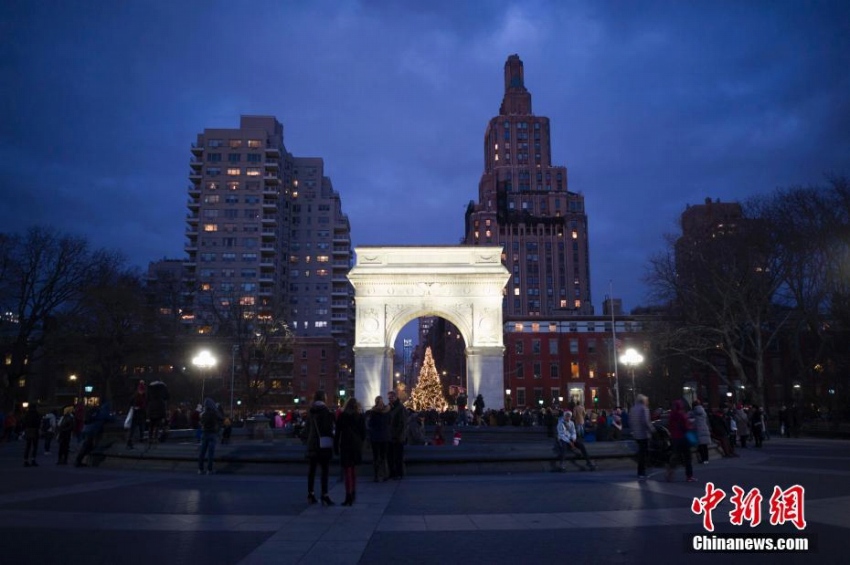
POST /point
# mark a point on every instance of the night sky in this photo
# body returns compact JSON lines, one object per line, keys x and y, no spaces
{"x":653,"y":106}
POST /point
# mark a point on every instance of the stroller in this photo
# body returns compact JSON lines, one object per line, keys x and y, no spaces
{"x":660,"y":445}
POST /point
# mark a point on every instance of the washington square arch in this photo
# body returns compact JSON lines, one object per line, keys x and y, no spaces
{"x":462,"y":284}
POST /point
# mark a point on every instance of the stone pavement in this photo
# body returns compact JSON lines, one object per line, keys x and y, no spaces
{"x":118,"y":515}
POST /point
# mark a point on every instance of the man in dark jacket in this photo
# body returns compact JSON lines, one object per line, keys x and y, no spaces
{"x":31,"y":422}
{"x":398,"y":435}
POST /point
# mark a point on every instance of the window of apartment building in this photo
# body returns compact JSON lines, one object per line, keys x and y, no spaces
{"x":251,"y":213}
{"x":212,"y":185}
{"x":210,"y":227}
{"x":233,"y":185}
{"x":254,"y":144}
{"x":207,"y":257}
{"x":591,"y":345}
{"x":254,"y":158}
{"x":254,"y":171}
{"x":574,"y":369}
{"x":213,"y":157}
{"x":248,"y":273}
{"x":235,"y":143}
{"x":228,"y":242}
{"x":226,"y":287}
{"x":252,"y":186}
{"x":321,"y":324}
{"x":249,"y":287}
{"x":554,"y":371}
{"x":227,"y":273}
{"x":231,"y":213}
{"x":211,"y":213}
{"x":520,"y":397}
{"x":535,"y":346}
{"x":234,"y":171}
{"x":231,"y":199}
{"x":252,"y":200}
{"x":574,"y":346}
{"x":538,"y":396}
{"x":249,"y":257}
{"x":215,"y":142}
{"x":519,"y":348}
{"x":234,"y":157}
{"x":213,"y":171}
{"x":553,"y":347}
{"x":229,"y":257}
{"x":520,"y":370}
{"x":537,"y":373}
{"x":250,"y":242}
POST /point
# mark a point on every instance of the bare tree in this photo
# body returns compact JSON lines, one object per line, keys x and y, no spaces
{"x":42,"y":274}
{"x":719,"y":286}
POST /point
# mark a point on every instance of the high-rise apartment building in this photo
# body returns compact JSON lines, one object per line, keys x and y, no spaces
{"x":238,"y":223}
{"x":525,"y":205}
{"x":267,"y":239}
{"x":321,"y":299}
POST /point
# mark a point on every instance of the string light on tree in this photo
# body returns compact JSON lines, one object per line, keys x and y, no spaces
{"x":428,"y":394}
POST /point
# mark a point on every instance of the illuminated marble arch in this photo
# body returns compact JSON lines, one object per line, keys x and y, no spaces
{"x":394,"y":285}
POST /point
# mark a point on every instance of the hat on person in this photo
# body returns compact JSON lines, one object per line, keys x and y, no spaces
{"x":567,"y":414}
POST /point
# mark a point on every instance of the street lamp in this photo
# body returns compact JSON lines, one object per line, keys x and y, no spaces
{"x":342,"y":396}
{"x":631,"y":359}
{"x":232,"y":375}
{"x":204,"y":360}
{"x":508,"y":394}
{"x":74,"y":379}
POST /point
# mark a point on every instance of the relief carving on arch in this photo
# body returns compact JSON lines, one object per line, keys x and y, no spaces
{"x":369,"y":326}
{"x":487,"y":327}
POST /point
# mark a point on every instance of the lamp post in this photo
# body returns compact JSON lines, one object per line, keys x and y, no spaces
{"x":341,"y":396}
{"x":508,"y":398}
{"x":74,"y":379}
{"x":631,"y":359}
{"x":233,"y":352}
{"x":204,"y":360}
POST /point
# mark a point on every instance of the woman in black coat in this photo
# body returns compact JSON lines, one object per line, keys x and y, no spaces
{"x":319,"y":425}
{"x":348,"y":443}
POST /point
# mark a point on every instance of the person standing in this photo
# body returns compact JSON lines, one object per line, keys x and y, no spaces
{"x":641,"y":432}
{"x":479,"y":409}
{"x":742,"y":425}
{"x":679,"y":425}
{"x":210,"y":422}
{"x":378,"y":427}
{"x":348,"y":443}
{"x":157,"y":411}
{"x":31,"y":423}
{"x":398,"y":435}
{"x":139,"y":404}
{"x":757,"y":423}
{"x":320,"y":433}
{"x":703,"y":431}
{"x":66,"y":429}
{"x":48,"y":430}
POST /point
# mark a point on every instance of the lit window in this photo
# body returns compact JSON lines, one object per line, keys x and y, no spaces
{"x":233,"y":185}
{"x":235,"y":143}
{"x":578,"y":303}
{"x":516,"y":293}
{"x":322,"y":258}
{"x":234,"y":172}
{"x":254,"y":143}
{"x":253,"y":171}
{"x":575,"y":234}
{"x":210,"y":227}
{"x":246,"y":301}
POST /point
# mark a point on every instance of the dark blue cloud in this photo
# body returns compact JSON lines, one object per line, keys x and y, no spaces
{"x":654,"y":105}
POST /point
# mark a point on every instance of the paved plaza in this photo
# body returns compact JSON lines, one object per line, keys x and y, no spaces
{"x":124,"y":514}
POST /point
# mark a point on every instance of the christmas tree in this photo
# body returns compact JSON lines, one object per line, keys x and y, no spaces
{"x":428,"y":394}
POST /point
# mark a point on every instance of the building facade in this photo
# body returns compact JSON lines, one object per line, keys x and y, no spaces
{"x":267,"y":240}
{"x":525,"y":205}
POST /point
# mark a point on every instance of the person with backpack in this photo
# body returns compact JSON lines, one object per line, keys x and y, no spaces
{"x":66,"y":429}
{"x":48,"y":430}
{"x":210,"y":423}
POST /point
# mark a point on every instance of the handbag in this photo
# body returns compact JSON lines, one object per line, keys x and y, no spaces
{"x":325,"y":442}
{"x":128,"y":421}
{"x":691,"y":436}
